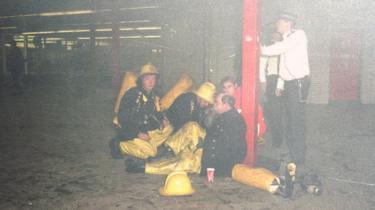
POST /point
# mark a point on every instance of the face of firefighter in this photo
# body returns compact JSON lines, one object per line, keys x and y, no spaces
{"x":149,"y":82}
{"x":219,"y":106}
{"x":283,"y":26}
{"x":202,"y":103}
{"x":229,"y":88}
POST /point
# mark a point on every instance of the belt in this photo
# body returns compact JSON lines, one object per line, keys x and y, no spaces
{"x":293,"y":80}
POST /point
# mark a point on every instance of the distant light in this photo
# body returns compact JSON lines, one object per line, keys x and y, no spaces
{"x":122,"y":37}
{"x":76,"y":12}
{"x":107,"y":23}
{"x":73,"y":31}
{"x":39,"y":32}
{"x":83,"y":38}
{"x":88,"y":30}
{"x":15,"y":16}
{"x":53,"y":39}
{"x":139,"y":8}
{"x":135,"y":21}
{"x":152,"y":37}
{"x":103,"y":29}
{"x":131,"y":37}
{"x":62,"y":13}
{"x":149,"y":28}
{"x":127,"y":29}
{"x":51,"y":42}
{"x":8,"y":27}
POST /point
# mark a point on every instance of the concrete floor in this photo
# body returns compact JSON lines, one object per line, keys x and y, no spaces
{"x":54,"y":155}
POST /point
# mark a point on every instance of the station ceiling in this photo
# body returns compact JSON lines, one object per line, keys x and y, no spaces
{"x":69,"y":18}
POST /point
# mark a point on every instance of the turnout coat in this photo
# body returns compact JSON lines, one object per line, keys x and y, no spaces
{"x":225,"y":143}
{"x":138,"y":113}
{"x":185,"y":109}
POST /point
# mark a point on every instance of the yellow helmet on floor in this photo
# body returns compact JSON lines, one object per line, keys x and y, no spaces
{"x":177,"y":184}
{"x":206,"y":91}
{"x":148,"y":69}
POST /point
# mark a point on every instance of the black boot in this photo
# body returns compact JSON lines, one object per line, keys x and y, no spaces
{"x":163,"y":152}
{"x":286,"y":181}
{"x":311,"y":184}
{"x":114,"y":146}
{"x":134,"y":165}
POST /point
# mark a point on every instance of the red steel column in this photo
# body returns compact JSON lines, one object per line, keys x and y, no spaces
{"x":250,"y":76}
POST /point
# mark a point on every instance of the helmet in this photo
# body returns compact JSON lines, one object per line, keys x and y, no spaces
{"x":177,"y":184}
{"x":206,"y":91}
{"x":148,"y":69}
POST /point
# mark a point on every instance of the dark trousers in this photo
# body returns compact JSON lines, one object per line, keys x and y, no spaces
{"x":273,"y":111}
{"x":295,"y":122}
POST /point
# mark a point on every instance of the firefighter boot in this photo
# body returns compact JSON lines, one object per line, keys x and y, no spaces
{"x":115,"y":149}
{"x":311,"y":184}
{"x":286,"y":181}
{"x":134,"y":165}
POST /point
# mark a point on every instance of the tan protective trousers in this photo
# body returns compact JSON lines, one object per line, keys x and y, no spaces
{"x":146,"y":148}
{"x":184,"y":144}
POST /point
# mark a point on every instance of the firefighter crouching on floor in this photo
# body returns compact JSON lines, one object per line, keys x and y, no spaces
{"x":187,"y":117}
{"x":142,"y":124}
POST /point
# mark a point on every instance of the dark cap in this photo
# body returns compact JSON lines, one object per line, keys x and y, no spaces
{"x":288,"y":16}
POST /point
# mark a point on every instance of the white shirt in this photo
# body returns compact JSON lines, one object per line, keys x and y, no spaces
{"x":294,"y":62}
{"x":268,"y":66}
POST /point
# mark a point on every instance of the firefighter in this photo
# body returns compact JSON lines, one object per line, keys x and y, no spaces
{"x":143,"y":127}
{"x":225,"y":143}
{"x":191,"y":106}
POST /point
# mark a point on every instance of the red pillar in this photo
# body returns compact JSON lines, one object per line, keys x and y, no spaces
{"x":250,"y":76}
{"x":115,"y":51}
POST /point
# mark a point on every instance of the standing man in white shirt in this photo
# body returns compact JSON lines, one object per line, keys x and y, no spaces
{"x":293,"y":83}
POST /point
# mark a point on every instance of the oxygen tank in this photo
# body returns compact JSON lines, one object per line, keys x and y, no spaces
{"x":129,"y":81}
{"x":256,"y":177}
{"x":182,"y":85}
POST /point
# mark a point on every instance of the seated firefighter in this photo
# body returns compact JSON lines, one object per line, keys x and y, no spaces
{"x":191,"y":106}
{"x":142,"y":125}
{"x":225,"y":143}
{"x":181,"y":150}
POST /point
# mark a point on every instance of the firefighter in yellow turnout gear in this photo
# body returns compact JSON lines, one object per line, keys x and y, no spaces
{"x":186,"y":115}
{"x":140,"y":122}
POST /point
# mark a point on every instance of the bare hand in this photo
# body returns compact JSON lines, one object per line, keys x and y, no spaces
{"x":116,"y":122}
{"x":278,"y":92}
{"x":165,"y":122}
{"x":144,"y":136}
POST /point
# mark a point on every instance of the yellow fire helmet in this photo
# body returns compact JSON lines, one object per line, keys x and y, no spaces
{"x":206,"y":91}
{"x":177,"y":184}
{"x":148,"y":69}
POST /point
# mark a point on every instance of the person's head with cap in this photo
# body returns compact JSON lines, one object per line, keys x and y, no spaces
{"x":285,"y":22}
{"x":224,"y":103}
{"x":205,"y":94}
{"x":148,"y":77}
